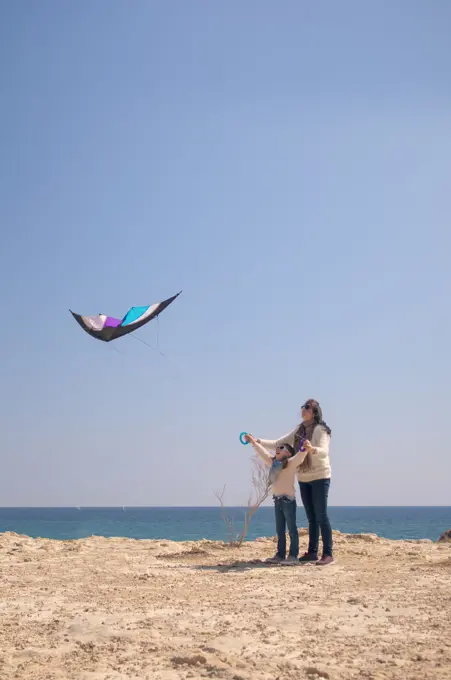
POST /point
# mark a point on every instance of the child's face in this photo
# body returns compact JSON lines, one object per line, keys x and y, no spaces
{"x":282,"y":452}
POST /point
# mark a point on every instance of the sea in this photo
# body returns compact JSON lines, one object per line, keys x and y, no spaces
{"x":192,"y":524}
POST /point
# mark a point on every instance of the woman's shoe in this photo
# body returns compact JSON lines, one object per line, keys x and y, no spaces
{"x":307,"y":558}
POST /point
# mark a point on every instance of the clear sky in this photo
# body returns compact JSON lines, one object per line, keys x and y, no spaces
{"x":288,"y":165}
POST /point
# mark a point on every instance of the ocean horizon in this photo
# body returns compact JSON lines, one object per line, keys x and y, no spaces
{"x":190,"y":523}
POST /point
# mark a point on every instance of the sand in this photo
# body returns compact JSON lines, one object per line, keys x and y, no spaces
{"x":98,"y":609}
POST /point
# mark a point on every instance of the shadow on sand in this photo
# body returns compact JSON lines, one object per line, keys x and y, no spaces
{"x":246,"y":565}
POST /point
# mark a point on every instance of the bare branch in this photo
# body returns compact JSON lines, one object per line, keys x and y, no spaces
{"x":228,"y":521}
{"x":262,"y":487}
{"x":261,"y":490}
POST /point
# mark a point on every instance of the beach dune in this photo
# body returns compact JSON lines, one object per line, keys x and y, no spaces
{"x":122,"y":609}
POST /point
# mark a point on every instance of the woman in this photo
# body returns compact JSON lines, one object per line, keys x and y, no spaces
{"x":313,"y":476}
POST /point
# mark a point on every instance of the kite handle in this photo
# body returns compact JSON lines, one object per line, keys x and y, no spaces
{"x":242,"y":435}
{"x":301,"y":444}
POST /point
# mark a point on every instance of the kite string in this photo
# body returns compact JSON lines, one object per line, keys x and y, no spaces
{"x":155,"y":349}
{"x":115,"y":349}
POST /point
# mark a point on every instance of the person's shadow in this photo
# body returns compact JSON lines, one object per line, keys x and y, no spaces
{"x":244,"y":565}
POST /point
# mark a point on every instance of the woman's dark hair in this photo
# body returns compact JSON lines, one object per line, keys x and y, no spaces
{"x":318,"y":415}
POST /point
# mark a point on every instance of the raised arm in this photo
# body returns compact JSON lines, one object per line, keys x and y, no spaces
{"x":297,"y":459}
{"x":272,"y":444}
{"x":262,"y":453}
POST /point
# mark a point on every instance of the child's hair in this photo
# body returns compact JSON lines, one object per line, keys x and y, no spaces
{"x":290,"y":450}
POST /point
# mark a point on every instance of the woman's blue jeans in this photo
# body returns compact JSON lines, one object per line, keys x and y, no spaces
{"x":314,"y":499}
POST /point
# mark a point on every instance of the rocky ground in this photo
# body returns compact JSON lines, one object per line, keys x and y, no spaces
{"x":121,"y":609}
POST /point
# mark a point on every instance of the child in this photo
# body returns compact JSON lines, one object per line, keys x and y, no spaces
{"x":281,"y":475}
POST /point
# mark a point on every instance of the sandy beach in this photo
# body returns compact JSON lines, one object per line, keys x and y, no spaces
{"x":98,"y":609}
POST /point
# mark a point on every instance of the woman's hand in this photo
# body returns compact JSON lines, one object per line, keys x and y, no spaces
{"x":308,"y":447}
{"x":249,"y":438}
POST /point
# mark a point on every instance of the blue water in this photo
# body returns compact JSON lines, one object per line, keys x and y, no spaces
{"x":183,"y":524}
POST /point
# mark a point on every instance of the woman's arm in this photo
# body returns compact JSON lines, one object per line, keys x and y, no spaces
{"x":272,"y":444}
{"x":320,"y":442}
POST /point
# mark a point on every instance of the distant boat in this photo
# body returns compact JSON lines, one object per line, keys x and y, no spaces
{"x":77,"y":508}
{"x":123,"y":508}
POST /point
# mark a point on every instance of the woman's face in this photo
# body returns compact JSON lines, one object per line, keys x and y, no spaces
{"x":307,"y":411}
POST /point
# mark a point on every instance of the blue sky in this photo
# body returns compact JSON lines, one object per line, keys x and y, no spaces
{"x":288,"y":166}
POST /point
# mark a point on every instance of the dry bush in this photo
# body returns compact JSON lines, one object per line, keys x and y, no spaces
{"x":260,"y":491}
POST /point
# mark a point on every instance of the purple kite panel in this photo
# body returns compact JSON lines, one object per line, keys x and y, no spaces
{"x":110,"y":321}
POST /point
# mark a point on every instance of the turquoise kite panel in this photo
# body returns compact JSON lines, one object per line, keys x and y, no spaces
{"x":133,"y":314}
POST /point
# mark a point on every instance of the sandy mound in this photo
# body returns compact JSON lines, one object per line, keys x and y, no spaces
{"x":98,"y":609}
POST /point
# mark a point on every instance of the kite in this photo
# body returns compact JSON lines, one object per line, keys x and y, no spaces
{"x":107,"y":328}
